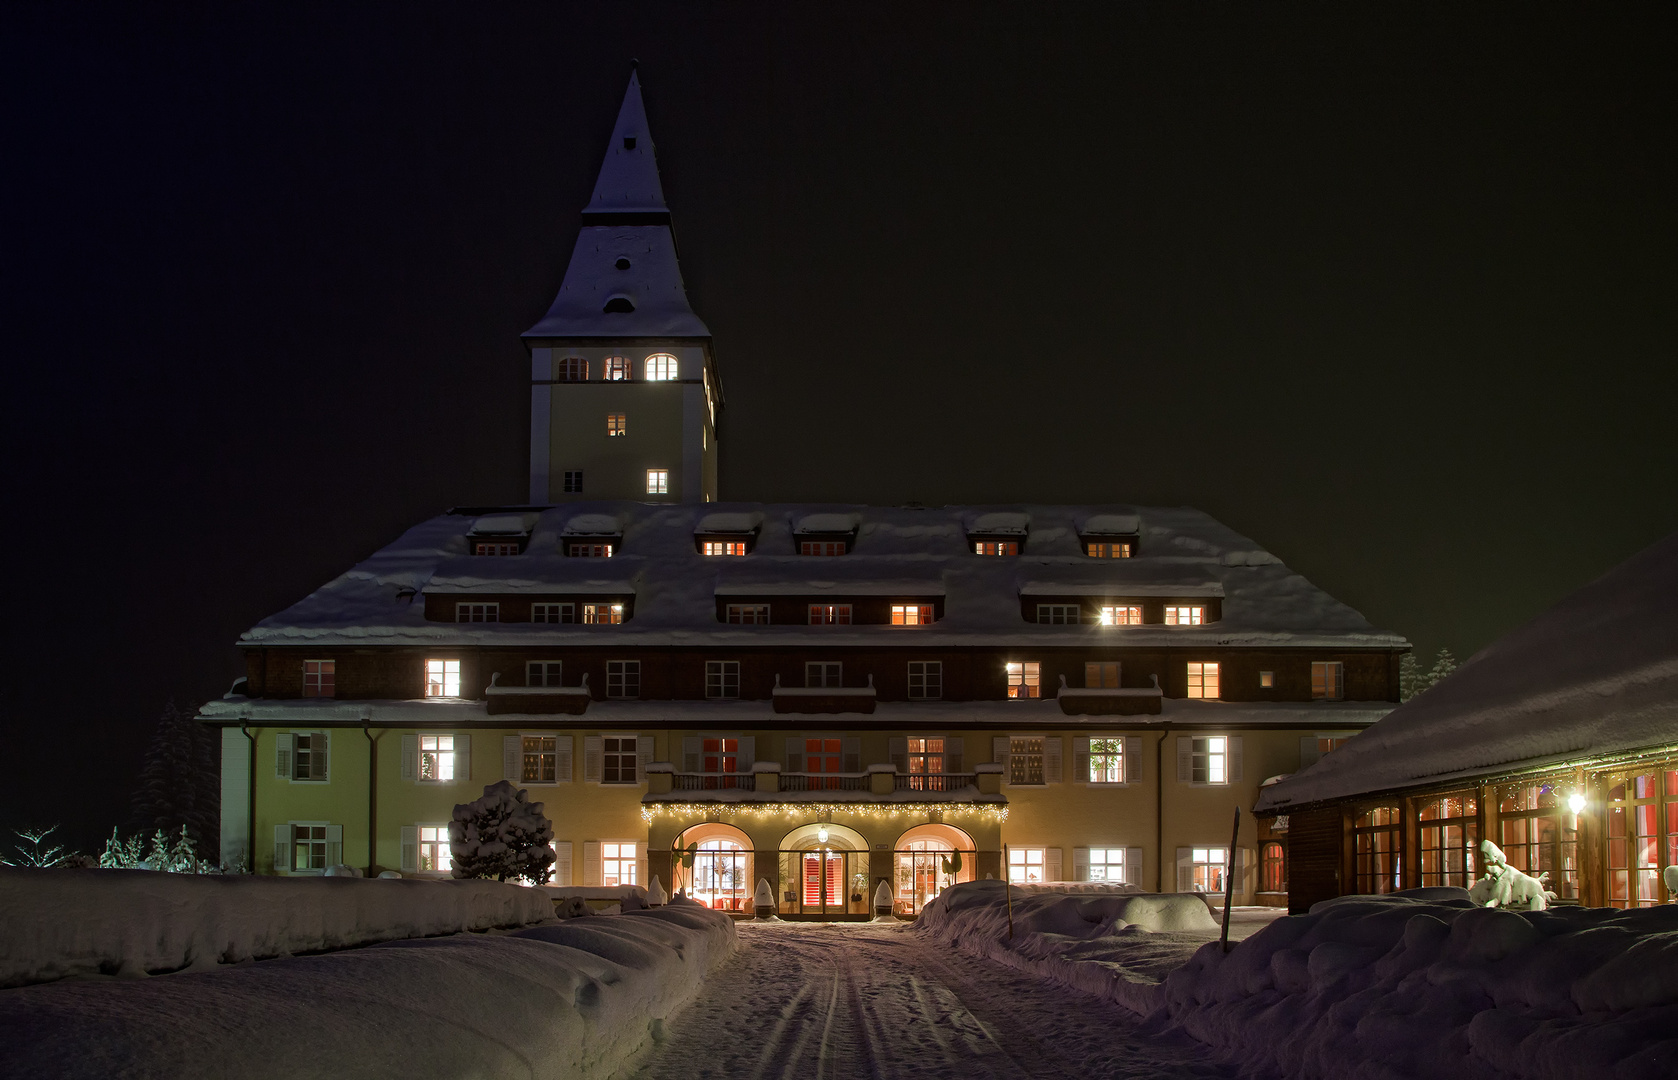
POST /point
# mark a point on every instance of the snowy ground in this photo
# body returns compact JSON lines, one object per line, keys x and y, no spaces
{"x":815,"y":1001}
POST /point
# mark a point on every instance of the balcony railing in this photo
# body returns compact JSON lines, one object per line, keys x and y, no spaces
{"x":712,"y":781}
{"x":933,"y":781}
{"x":796,"y":781}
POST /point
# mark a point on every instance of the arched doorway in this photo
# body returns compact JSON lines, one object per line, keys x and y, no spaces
{"x":824,"y":870}
{"x":919,"y":864}
{"x":721,"y":874}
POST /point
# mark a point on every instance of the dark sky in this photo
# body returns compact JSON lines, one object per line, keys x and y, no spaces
{"x":1389,"y":290}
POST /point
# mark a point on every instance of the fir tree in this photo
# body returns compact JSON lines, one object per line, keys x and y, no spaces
{"x":1410,"y":679}
{"x":180,"y":785}
{"x":501,"y":836}
{"x":1442,"y":666}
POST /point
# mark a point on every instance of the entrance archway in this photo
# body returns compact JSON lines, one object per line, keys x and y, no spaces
{"x":919,"y":861}
{"x":721,"y":875}
{"x":824,"y":870}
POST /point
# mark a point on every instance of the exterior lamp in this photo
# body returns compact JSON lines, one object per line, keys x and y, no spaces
{"x":821,"y":833}
{"x":1576,"y":803}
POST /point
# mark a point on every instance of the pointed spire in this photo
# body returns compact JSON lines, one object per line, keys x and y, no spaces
{"x":628,"y":189}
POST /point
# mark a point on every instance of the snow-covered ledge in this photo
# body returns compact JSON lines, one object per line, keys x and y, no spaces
{"x":823,"y":699}
{"x":536,"y":699}
{"x":1110,"y":701}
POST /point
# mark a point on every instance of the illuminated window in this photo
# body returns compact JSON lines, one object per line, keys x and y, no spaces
{"x":573,"y":482}
{"x":615,"y":369}
{"x":722,"y":679}
{"x":540,"y":757}
{"x":1120,"y":615}
{"x":623,"y":678}
{"x":926,"y":763}
{"x":320,"y":678}
{"x":1449,"y":830}
{"x":748,"y":614}
{"x":617,"y":423}
{"x":543,"y":673}
{"x":821,"y":547}
{"x":926,"y":680}
{"x":911,"y":614}
{"x":822,"y":674}
{"x":602,"y":614}
{"x":1118,"y":549}
{"x":1328,"y":680}
{"x":1376,"y":851}
{"x":436,"y":758}
{"x":1024,"y":680}
{"x":494,"y":548}
{"x":1101,"y":675}
{"x":725,"y":547}
{"x":308,"y":846}
{"x":553,"y":613}
{"x":571,"y":369}
{"x":996,"y":547}
{"x":1207,"y":867}
{"x":1185,"y":615}
{"x":1057,"y":614}
{"x":661,"y":367}
{"x":1208,"y":759}
{"x":617,"y":863}
{"x":1274,"y":868}
{"x":1203,"y":680}
{"x":658,"y":481}
{"x":590,"y":551}
{"x":1538,"y":836}
{"x":1106,"y":864}
{"x":830,"y":614}
{"x":442,"y":678}
{"x":1106,"y":763}
{"x":1025,"y":865}
{"x":1267,"y":680}
{"x":433,"y":855}
{"x":477,"y":613}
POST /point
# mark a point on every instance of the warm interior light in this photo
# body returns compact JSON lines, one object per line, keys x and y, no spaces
{"x":821,"y":835}
{"x":1576,"y":803}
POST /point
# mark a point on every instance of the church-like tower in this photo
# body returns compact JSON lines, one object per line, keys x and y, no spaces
{"x":624,"y":390}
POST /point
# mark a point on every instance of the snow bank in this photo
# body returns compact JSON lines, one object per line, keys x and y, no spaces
{"x":1425,"y":984}
{"x":130,"y":922}
{"x":575,"y":999}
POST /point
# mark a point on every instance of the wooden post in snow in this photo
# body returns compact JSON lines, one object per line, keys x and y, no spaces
{"x":1008,"y":892}
{"x":1229,"y":878}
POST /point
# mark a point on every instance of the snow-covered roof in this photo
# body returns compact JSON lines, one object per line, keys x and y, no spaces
{"x":628,"y":180}
{"x":503,"y":524}
{"x":915,"y":551}
{"x":1593,"y":676}
{"x":729,"y":523}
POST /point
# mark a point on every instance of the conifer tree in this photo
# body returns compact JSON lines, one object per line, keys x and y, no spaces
{"x":1442,"y":666}
{"x":1410,"y":679}
{"x":180,"y":786}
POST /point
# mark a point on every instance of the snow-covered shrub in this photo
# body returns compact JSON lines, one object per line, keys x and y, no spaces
{"x":179,"y":856}
{"x":34,"y":847}
{"x":502,"y":836}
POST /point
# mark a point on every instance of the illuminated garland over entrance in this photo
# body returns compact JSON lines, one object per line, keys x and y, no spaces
{"x":990,"y":811}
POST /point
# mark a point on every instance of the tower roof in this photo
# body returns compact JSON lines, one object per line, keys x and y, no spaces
{"x":623,"y":279}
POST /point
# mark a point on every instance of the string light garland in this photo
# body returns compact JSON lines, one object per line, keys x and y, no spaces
{"x":997,"y":812}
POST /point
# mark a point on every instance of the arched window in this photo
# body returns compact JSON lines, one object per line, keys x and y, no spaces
{"x":719,"y":875}
{"x":661,"y":367}
{"x":615,"y":369}
{"x":572,"y":369}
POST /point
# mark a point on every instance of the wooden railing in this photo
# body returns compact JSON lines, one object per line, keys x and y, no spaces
{"x":933,"y":781}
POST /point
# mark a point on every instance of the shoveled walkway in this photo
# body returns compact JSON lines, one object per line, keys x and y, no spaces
{"x":832,"y":1001}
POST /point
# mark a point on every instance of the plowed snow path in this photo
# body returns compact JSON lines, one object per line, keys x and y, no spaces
{"x":832,"y":1001}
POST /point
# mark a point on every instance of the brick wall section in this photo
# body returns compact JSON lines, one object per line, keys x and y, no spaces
{"x":1315,"y":842}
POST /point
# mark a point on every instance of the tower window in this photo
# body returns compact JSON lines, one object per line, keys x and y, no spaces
{"x":622,"y":263}
{"x":572,"y":369}
{"x":573,"y":482}
{"x":658,"y":481}
{"x":619,"y":305}
{"x":615,"y":369}
{"x":617,"y":423}
{"x":629,"y":142}
{"x":661,"y":367}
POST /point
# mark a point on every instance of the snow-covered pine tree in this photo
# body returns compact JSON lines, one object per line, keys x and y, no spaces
{"x":1442,"y":666}
{"x":502,"y":835}
{"x":180,"y":785}
{"x":1410,"y":681}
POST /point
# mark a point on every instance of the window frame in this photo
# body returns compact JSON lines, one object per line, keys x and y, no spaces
{"x":1209,"y":765}
{"x":632,"y":754}
{"x":1110,"y":549}
{"x":1201,"y":675}
{"x":552,"y":670}
{"x":603,"y":613}
{"x":727,"y":549}
{"x":932,"y":671}
{"x":1059,"y":615}
{"x":722,"y":675}
{"x":1020,"y":759}
{"x":1215,"y":862}
{"x":661,"y":367}
{"x":617,"y":682}
{"x":569,"y":369}
{"x":1373,"y":864}
{"x":298,"y":772}
{"x":443,"y":674}
{"x":540,"y":752}
{"x":1321,"y":672}
{"x":1115,"y":753}
{"x":1118,"y":615}
{"x":1003,"y":548}
{"x":553,"y":613}
{"x":1107,"y":864}
{"x":1185,"y":615}
{"x":477,"y":611}
{"x":658,"y":481}
{"x":615,"y":369}
{"x":823,"y":669}
{"x":1025,"y":863}
{"x":829,"y":614}
{"x":737,"y":614}
{"x":445,"y":758}
{"x":1029,"y":686}
{"x":632,"y":859}
{"x":421,"y":843}
{"x":914,"y":614}
{"x":325,"y":841}
{"x":1099,"y":670}
{"x":323,"y":681}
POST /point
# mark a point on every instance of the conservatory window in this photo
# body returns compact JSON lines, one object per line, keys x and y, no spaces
{"x":434,"y":850}
{"x":830,"y":614}
{"x":1327,"y":681}
{"x":996,"y":547}
{"x":926,"y":680}
{"x":477,"y":613}
{"x":617,"y":863}
{"x":1536,"y":838}
{"x":1376,"y":851}
{"x":602,"y":614}
{"x":1449,"y":829}
{"x":617,"y":424}
{"x":1057,"y":614}
{"x":320,"y":678}
{"x":821,"y":547}
{"x":748,"y":614}
{"x":1184,"y":615}
{"x":623,"y":678}
{"x":661,"y":367}
{"x":1119,"y":615}
{"x":1025,"y":864}
{"x":1203,"y":680}
{"x":442,"y":678}
{"x":1024,"y":679}
{"x":553,"y":613}
{"x":911,"y":614}
{"x":658,"y":481}
{"x":725,"y":547}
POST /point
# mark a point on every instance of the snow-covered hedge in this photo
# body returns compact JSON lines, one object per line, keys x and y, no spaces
{"x":82,"y":922}
{"x":576,"y":999}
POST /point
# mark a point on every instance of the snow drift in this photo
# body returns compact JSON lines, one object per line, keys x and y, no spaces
{"x":131,"y":922}
{"x":564,"y":1000}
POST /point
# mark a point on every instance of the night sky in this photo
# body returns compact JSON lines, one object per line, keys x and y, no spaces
{"x":1389,"y":291}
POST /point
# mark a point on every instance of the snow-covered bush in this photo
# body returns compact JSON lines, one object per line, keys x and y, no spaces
{"x":179,"y":856}
{"x":502,"y":836}
{"x":35,"y":847}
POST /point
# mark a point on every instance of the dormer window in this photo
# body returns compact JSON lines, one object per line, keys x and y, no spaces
{"x":1119,"y":615}
{"x":725,"y":547}
{"x":911,"y":614}
{"x":615,"y":368}
{"x":571,"y":369}
{"x":821,"y":547}
{"x":602,"y":614}
{"x":996,"y":547}
{"x":1110,"y":549}
{"x":495,"y":547}
{"x":477,"y":612}
{"x":589,"y":550}
{"x":661,"y":367}
{"x":830,"y":614}
{"x":1184,"y":615}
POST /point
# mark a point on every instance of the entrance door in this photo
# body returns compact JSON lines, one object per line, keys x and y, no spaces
{"x":824,"y":880}
{"x":920,"y":874}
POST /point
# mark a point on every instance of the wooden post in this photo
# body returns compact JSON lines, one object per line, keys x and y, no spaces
{"x":1229,"y":879}
{"x":1008,"y":892}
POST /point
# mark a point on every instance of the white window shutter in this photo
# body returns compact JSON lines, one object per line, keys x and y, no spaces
{"x":593,"y":759}
{"x":462,"y":759}
{"x":899,"y":747}
{"x":410,"y":848}
{"x":318,"y":766}
{"x":746,"y":755}
{"x":1133,"y":866}
{"x":795,"y":753}
{"x":953,"y":756}
{"x":1133,"y":759}
{"x":1309,"y":755}
{"x":999,"y":754}
{"x":691,"y":746}
{"x":1051,"y":764}
{"x":562,"y":863}
{"x":334,"y":845}
{"x":852,"y":761}
{"x":564,"y":769}
{"x":282,"y":848}
{"x":512,"y":758}
{"x":1185,"y":869}
{"x":591,"y":862}
{"x":1081,"y":763}
{"x":282,"y":756}
{"x":643,"y":757}
{"x":641,"y":863}
{"x":1185,"y":759}
{"x":1051,"y":864}
{"x":1235,"y":759}
{"x":410,"y":757}
{"x":1080,"y":864}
